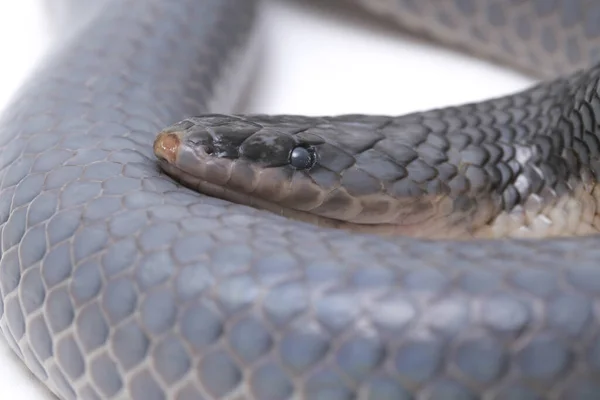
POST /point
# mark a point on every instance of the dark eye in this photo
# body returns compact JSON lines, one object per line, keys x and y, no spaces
{"x":303,"y":157}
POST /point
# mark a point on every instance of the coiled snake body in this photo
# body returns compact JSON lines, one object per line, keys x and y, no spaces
{"x":117,"y":282}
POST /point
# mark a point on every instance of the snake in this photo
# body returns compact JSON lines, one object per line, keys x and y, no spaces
{"x":156,"y":244}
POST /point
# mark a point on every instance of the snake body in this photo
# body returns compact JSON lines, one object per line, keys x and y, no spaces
{"x":117,"y":282}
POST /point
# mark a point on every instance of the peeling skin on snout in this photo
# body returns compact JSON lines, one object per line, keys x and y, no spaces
{"x":166,"y":146}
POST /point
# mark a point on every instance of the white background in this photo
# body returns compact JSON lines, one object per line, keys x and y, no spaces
{"x":316,"y":62}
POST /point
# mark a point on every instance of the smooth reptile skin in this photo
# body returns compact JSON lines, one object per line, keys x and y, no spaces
{"x":118,"y":283}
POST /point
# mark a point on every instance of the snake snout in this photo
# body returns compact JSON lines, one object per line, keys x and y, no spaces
{"x":166,"y":146}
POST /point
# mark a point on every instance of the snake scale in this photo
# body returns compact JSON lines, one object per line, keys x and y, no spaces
{"x":119,"y":282}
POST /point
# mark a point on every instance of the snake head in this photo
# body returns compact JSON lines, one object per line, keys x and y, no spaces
{"x":245,"y":158}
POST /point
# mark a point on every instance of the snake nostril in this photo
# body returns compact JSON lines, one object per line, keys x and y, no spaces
{"x":208,"y":149}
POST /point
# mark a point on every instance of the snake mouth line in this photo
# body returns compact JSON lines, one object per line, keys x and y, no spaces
{"x":224,"y":193}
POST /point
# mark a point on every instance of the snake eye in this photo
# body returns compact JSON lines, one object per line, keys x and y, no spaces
{"x":303,"y":157}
